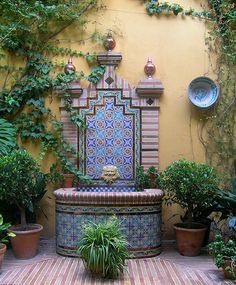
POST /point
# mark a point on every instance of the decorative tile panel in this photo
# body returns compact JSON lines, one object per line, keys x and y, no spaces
{"x":112,"y":136}
{"x":138,"y":212}
{"x":140,"y":225}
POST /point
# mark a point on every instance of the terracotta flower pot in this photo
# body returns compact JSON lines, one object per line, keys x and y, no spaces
{"x":189,"y":239}
{"x":3,"y":249}
{"x":227,"y":274}
{"x":96,"y":271}
{"x":25,"y":243}
{"x":68,"y":180}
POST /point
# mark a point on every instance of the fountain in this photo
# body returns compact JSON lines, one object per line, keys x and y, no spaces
{"x":121,"y":134}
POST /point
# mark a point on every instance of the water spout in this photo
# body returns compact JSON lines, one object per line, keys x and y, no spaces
{"x":110,"y":173}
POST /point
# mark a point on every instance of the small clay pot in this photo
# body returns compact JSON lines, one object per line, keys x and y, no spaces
{"x":227,"y":274}
{"x":68,"y":180}
{"x":189,"y":238}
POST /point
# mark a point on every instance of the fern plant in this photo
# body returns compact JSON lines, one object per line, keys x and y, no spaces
{"x":104,"y":248}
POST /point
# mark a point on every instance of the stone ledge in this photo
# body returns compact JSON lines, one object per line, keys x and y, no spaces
{"x":74,"y":89}
{"x":109,"y":58}
{"x":149,"y":87}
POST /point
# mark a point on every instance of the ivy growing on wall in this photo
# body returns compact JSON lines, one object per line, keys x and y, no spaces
{"x":219,"y":123}
{"x":29,"y":72}
{"x":28,"y":30}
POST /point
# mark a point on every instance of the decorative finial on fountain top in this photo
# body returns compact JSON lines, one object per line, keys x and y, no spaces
{"x":109,"y":42}
{"x":110,"y":173}
{"x":69,"y":66}
{"x":149,"y":68}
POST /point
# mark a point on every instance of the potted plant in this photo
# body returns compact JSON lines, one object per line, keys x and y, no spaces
{"x":152,"y":174}
{"x":104,"y":248}
{"x":224,"y":254}
{"x":68,"y":180}
{"x":22,"y":184}
{"x":191,"y":185}
{"x":72,"y":176}
{"x":146,"y":180}
{"x":4,"y":238}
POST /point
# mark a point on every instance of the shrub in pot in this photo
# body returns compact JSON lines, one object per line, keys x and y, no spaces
{"x":191,"y":185}
{"x":4,"y":236}
{"x":146,"y":180}
{"x":22,"y":184}
{"x":104,"y":248}
{"x":225,"y":203}
{"x":224,"y":254}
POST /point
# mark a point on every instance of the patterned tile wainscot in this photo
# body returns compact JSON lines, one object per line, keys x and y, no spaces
{"x":138,"y":212}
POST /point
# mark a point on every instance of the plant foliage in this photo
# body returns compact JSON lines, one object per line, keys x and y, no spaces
{"x":4,"y":235}
{"x":146,"y":180}
{"x":219,"y":123}
{"x":104,"y":248}
{"x":189,"y":184}
{"x":28,"y":37}
{"x":21,"y":182}
{"x":222,"y":252}
{"x":7,"y":137}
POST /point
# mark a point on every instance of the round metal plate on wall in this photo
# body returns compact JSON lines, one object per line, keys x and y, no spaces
{"x":203,"y":92}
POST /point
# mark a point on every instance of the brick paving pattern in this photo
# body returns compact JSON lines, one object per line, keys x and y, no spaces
{"x":48,"y":268}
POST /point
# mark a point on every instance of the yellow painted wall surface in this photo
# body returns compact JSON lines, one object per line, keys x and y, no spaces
{"x":177,"y":47}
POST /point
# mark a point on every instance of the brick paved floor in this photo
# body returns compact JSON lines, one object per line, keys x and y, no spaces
{"x":169,"y":268}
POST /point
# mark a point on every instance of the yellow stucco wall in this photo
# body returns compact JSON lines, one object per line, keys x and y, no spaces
{"x":177,"y":47}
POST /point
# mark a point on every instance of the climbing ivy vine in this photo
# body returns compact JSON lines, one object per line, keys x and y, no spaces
{"x":219,"y":122}
{"x":29,"y":69}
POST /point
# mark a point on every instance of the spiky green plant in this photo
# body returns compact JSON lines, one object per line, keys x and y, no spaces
{"x":104,"y":248}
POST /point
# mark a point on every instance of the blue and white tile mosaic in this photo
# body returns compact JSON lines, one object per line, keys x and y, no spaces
{"x":99,"y":188}
{"x":140,"y":224}
{"x":112,"y":136}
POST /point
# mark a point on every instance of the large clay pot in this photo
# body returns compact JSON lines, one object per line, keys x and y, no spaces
{"x":189,"y":238}
{"x":3,"y":249}
{"x":25,"y":243}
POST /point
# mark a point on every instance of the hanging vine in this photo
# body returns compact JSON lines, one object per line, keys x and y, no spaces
{"x":27,"y":40}
{"x":219,"y":123}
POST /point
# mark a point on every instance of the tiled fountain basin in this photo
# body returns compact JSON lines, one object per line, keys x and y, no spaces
{"x":139,"y":213}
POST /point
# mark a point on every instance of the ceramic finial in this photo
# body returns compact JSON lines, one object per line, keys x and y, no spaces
{"x":69,"y":66}
{"x":149,"y":68}
{"x":109,"y":42}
